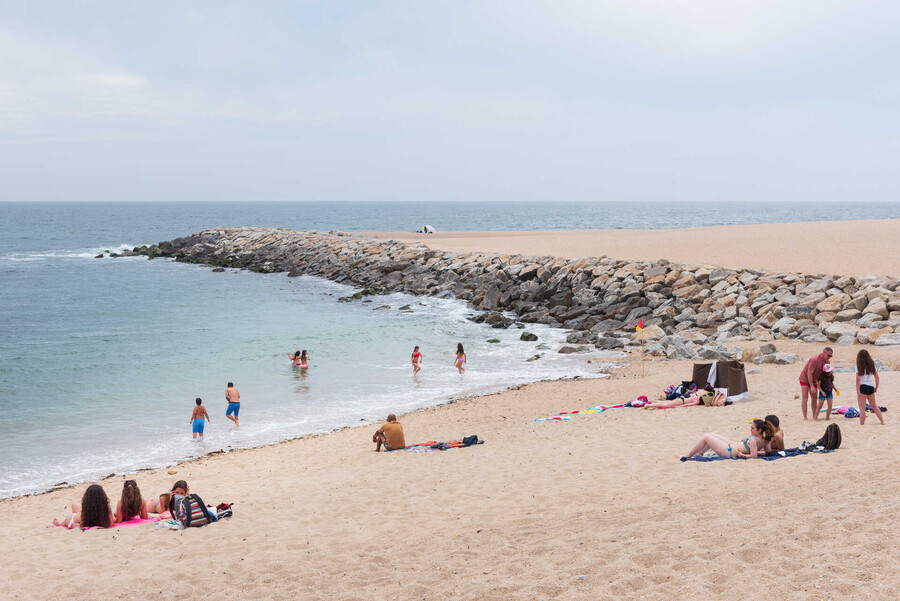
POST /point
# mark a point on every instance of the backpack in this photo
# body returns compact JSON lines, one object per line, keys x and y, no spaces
{"x":832,"y":438}
{"x":191,"y":511}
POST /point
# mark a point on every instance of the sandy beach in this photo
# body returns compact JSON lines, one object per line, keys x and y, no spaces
{"x":833,"y":247}
{"x":598,"y":507}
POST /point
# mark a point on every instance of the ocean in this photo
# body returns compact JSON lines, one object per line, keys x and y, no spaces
{"x":100,"y":360}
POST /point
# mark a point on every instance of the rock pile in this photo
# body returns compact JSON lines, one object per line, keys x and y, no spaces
{"x":688,"y":310}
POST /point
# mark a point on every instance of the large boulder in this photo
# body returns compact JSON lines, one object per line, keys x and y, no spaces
{"x":833,"y":303}
{"x":888,"y":340}
{"x":877,"y":307}
{"x":649,"y":333}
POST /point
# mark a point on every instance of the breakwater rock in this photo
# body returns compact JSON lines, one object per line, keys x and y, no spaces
{"x":687,"y":310}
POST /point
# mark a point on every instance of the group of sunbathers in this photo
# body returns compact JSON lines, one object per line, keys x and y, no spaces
{"x":765,"y":437}
{"x":95,"y":509}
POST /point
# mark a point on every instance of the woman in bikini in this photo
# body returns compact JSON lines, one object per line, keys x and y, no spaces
{"x":707,"y":397}
{"x":417,"y":360}
{"x":755,"y":445}
{"x":131,"y":504}
{"x":460,"y":358}
{"x":160,"y":505}
{"x":300,"y":359}
{"x":94,"y":510}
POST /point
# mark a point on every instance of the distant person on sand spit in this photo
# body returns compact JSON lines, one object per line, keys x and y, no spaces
{"x":93,"y":510}
{"x":131,"y":504}
{"x":300,"y":359}
{"x":460,"y":362}
{"x":390,"y":434}
{"x":866,"y":386}
{"x":755,"y":445}
{"x":233,"y":396}
{"x":199,"y":417}
{"x":809,"y":379}
{"x":417,"y":360}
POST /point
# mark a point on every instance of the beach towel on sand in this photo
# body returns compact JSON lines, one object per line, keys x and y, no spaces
{"x":135,"y":521}
{"x":433,"y":445}
{"x":795,"y":452}
{"x":566,"y":415}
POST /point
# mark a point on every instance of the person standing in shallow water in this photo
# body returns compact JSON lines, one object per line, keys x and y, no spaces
{"x":233,"y":396}
{"x":460,"y":362}
{"x":417,"y":360}
{"x":199,"y":417}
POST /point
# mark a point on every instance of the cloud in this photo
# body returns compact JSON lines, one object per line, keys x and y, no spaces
{"x":115,"y":80}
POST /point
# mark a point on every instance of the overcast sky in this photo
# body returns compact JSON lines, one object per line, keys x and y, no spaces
{"x":427,"y":100}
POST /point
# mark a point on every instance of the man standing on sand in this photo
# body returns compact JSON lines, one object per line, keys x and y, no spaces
{"x":390,"y":435}
{"x":809,"y":379}
{"x":234,"y":404}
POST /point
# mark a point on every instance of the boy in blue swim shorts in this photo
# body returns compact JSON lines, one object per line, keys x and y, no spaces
{"x":199,"y":418}
{"x":234,"y":404}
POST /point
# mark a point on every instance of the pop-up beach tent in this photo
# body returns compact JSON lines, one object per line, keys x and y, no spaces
{"x":724,"y":376}
{"x":427,"y":229}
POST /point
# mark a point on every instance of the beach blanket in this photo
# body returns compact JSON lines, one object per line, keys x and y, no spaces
{"x":135,"y":521}
{"x":795,"y":452}
{"x":433,"y":445}
{"x":567,"y":415}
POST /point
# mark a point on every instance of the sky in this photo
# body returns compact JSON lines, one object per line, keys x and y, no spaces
{"x":631,"y":100}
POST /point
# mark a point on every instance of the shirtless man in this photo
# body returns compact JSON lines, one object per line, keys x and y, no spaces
{"x":234,"y":404}
{"x":199,"y":417}
{"x":809,"y":379}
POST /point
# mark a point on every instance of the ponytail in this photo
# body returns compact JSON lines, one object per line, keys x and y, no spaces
{"x":767,"y":429}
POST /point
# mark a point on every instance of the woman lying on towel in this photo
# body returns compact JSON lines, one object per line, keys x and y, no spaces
{"x":94,"y":510}
{"x":708,"y":397}
{"x":755,"y":445}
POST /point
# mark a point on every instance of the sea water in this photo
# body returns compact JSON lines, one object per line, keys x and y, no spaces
{"x":101,"y":359}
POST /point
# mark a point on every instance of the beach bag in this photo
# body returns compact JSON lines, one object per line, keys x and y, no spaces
{"x":852,"y":412}
{"x":832,"y":438}
{"x":470,"y":440}
{"x":191,"y":511}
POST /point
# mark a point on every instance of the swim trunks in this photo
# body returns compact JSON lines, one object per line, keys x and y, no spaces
{"x":233,"y":408}
{"x":199,"y":423}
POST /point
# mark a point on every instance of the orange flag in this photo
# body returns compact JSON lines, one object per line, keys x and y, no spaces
{"x":640,"y":326}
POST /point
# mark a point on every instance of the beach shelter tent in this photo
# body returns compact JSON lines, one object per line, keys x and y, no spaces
{"x":725,"y":376}
{"x":428,"y":229}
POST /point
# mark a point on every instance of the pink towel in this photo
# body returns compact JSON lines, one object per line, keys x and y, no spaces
{"x":135,"y":521}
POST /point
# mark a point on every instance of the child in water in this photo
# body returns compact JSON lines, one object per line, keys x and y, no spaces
{"x":460,"y":358}
{"x":199,"y":417}
{"x":417,"y":360}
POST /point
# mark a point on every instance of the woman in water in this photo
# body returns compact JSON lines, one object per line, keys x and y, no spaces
{"x":93,"y":510}
{"x":300,"y":359}
{"x":460,"y":358}
{"x":131,"y":504}
{"x":755,"y":445}
{"x":417,"y":360}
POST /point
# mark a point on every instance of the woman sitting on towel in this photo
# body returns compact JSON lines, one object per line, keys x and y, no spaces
{"x":707,"y":397}
{"x":131,"y":504}
{"x":755,"y":445}
{"x":94,"y":510}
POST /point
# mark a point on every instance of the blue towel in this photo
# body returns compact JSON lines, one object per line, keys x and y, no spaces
{"x":775,"y":455}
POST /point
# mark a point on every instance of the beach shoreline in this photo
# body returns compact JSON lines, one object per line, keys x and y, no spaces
{"x":592,"y":508}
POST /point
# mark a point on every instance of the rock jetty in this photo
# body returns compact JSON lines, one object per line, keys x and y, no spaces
{"x":688,"y":310}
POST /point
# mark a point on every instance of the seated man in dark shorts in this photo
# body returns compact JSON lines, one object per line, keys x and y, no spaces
{"x":390,"y":435}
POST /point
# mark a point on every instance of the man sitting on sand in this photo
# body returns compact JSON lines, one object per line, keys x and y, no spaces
{"x":390,"y":435}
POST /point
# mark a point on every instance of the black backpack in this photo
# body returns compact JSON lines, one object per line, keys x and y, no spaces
{"x":832,"y":438}
{"x":191,"y":511}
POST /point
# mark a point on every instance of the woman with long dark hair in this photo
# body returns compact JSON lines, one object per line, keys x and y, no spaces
{"x":755,"y":445}
{"x":866,"y":386}
{"x":94,"y":510}
{"x":131,"y":504}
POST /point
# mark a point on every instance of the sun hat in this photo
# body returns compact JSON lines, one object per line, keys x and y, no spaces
{"x":827,"y":368}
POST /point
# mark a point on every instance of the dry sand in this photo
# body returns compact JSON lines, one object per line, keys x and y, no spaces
{"x":834,"y":247}
{"x":598,"y":507}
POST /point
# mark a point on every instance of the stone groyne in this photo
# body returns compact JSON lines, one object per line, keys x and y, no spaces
{"x":687,"y":310}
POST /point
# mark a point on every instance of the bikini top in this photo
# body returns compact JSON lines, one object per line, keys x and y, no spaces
{"x":748,"y":438}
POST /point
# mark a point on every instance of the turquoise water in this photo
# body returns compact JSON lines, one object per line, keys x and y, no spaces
{"x":100,"y":360}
